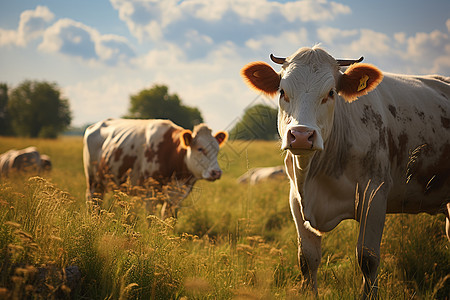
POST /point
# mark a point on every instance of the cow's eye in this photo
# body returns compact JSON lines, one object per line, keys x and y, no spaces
{"x":283,"y":95}
{"x":201,"y":150}
{"x":331,"y":94}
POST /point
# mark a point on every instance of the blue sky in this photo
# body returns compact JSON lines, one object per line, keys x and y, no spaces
{"x":101,"y":52}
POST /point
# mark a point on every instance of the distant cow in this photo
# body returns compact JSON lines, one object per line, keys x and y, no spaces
{"x":134,"y":151}
{"x":26,"y":160}
{"x":256,"y":175}
{"x":392,"y":146}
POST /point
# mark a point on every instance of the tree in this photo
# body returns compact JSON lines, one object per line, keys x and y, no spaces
{"x":156,"y":103}
{"x":258,"y":123}
{"x":38,"y":110}
{"x":5,"y":120}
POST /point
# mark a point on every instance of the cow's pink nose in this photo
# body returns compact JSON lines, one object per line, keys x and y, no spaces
{"x":302,"y":138}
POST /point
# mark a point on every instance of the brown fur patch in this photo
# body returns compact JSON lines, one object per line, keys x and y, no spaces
{"x":127,"y":163}
{"x":349,"y":85}
{"x":393,"y":110}
{"x":445,"y":122}
{"x":149,"y":153}
{"x":397,"y":151}
{"x":261,"y":77}
{"x":170,"y":156}
{"x":117,"y":154}
{"x":370,"y":115}
{"x":435,"y":176}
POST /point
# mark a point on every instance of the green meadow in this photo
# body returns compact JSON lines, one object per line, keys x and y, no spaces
{"x":230,"y":240}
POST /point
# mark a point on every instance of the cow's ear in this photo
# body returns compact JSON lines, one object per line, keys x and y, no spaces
{"x":358,"y":80}
{"x":261,"y":77}
{"x":221,"y":137}
{"x":186,"y":138}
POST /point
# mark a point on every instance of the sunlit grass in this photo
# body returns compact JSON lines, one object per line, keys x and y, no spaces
{"x":229,"y":241}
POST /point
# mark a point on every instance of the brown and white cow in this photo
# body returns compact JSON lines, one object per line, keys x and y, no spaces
{"x":392,"y":146}
{"x":121,"y":150}
{"x":26,"y":160}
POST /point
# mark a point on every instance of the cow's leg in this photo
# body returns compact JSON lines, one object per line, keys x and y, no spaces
{"x":309,"y":244}
{"x":372,"y":218}
{"x":94,"y":191}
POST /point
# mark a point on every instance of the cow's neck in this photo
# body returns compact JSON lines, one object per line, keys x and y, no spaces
{"x":333,"y":159}
{"x":173,"y":160}
{"x":301,"y":167}
{"x":181,"y":171}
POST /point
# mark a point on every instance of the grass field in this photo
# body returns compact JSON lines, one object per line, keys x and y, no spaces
{"x":230,"y":241}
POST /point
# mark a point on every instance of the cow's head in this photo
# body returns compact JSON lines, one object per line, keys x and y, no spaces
{"x":202,"y":150}
{"x":309,"y":83}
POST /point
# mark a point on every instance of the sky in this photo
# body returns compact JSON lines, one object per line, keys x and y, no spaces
{"x":101,"y":52}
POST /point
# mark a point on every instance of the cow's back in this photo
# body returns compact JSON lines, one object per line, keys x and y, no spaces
{"x":400,"y":135}
{"x":417,"y":140}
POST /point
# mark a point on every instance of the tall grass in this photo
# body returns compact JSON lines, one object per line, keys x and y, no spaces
{"x":229,"y":241}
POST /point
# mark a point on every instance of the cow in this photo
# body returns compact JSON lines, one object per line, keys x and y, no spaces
{"x":26,"y":160}
{"x":256,"y":175}
{"x":135,"y":151}
{"x":359,"y":143}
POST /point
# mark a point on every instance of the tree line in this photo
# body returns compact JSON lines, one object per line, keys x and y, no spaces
{"x":38,"y":109}
{"x":33,"y":109}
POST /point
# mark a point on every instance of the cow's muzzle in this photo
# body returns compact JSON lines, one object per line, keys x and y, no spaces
{"x":214,"y":175}
{"x":301,"y":138}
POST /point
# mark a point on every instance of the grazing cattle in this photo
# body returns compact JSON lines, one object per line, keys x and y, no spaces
{"x":134,"y":151}
{"x":392,"y":143}
{"x":19,"y":161}
{"x":256,"y":175}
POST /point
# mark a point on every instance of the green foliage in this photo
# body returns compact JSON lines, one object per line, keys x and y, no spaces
{"x":230,"y":240}
{"x":258,"y":123}
{"x":5,"y":119}
{"x":157,"y":103}
{"x":37,"y":110}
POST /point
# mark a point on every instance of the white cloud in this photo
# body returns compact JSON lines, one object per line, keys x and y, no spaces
{"x":331,"y":35}
{"x":430,"y":49}
{"x":212,"y":84}
{"x":356,"y":43}
{"x":113,"y":49}
{"x":422,"y":53}
{"x":284,"y":44}
{"x":400,"y":37}
{"x":220,"y":20}
{"x":427,"y":44}
{"x":8,"y":37}
{"x":31,"y":26}
{"x":311,"y":10}
{"x":104,"y":97}
{"x":371,"y":42}
{"x":75,"y":39}
{"x":71,"y":38}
